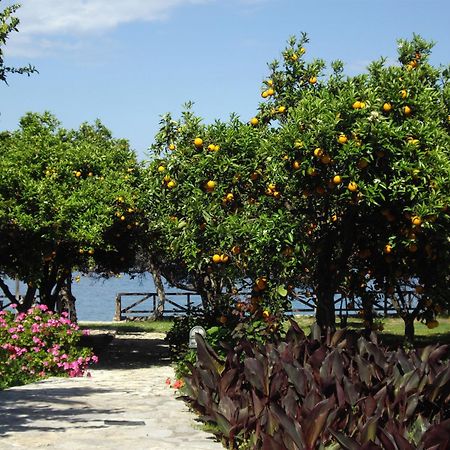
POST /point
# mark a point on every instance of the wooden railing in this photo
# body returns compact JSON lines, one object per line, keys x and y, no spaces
{"x":144,"y":304}
{"x":176,"y":304}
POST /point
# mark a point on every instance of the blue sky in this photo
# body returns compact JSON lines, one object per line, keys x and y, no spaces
{"x":128,"y":62}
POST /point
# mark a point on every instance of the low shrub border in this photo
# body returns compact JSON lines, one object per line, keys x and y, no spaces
{"x":38,"y":344}
{"x":312,"y":393}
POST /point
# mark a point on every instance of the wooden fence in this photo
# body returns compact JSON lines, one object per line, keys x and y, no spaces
{"x":143,"y":304}
{"x":176,"y":304}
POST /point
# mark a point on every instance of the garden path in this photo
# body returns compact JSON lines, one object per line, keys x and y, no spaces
{"x":126,"y":403}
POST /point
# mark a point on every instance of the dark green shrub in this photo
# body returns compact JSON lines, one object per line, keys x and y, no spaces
{"x":312,"y":393}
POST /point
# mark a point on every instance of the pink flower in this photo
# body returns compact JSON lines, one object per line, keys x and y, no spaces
{"x":168,"y":381}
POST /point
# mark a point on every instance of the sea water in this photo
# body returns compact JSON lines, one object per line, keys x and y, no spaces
{"x":95,"y":297}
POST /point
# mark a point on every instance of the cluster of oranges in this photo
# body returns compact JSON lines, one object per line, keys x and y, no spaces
{"x":220,"y":258}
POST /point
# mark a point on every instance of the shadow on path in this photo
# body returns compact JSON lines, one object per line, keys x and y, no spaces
{"x":23,"y":409}
{"x":129,"y":351}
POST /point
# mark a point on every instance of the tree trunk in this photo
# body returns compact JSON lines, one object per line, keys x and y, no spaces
{"x":157,"y":279}
{"x":409,"y":329}
{"x":325,"y":287}
{"x":66,"y":300}
{"x":367,"y":305}
{"x":325,"y":313}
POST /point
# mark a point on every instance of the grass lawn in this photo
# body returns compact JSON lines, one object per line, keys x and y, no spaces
{"x":394,"y":329}
{"x":392,"y":333}
{"x":157,"y":326}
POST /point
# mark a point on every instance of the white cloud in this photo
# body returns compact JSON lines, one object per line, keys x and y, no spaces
{"x":78,"y":17}
{"x":52,"y":26}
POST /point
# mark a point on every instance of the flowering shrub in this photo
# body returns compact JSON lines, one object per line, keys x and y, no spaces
{"x":38,"y":344}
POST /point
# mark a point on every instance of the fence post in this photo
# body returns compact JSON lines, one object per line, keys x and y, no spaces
{"x":118,"y":313}
{"x":189,"y":303}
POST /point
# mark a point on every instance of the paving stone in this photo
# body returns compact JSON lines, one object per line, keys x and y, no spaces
{"x":115,"y":408}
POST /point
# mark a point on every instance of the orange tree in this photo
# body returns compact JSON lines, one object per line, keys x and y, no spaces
{"x":194,"y":193}
{"x":370,"y":156}
{"x":8,"y":24}
{"x":337,"y":183}
{"x":67,"y":201}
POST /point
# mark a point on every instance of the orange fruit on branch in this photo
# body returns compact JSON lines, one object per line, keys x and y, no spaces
{"x":416,"y":220}
{"x":387,"y":249}
{"x":261,"y":283}
{"x":337,"y":179}
{"x":198,"y":142}
{"x":210,"y":185}
{"x":352,"y":186}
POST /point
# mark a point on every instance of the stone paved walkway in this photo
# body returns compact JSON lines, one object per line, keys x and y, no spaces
{"x":124,"y":406}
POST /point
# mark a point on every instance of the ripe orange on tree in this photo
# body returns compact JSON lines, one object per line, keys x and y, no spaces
{"x":210,"y":185}
{"x":216,"y":259}
{"x":387,"y":107}
{"x":235,"y":249}
{"x":352,"y":186}
{"x":416,"y":220}
{"x":342,"y":139}
{"x":254,"y":121}
{"x":318,"y":152}
{"x":198,"y":142}
{"x":261,"y":283}
{"x":337,"y":179}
